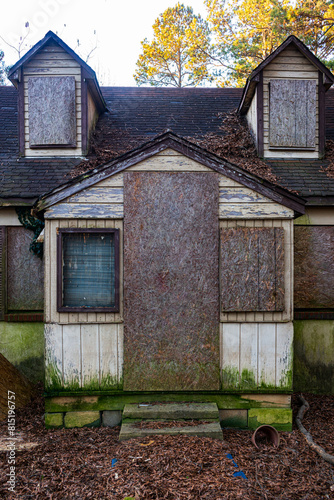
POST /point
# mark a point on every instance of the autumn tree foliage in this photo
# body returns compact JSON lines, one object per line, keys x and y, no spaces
{"x":247,"y":31}
{"x":178,"y":55}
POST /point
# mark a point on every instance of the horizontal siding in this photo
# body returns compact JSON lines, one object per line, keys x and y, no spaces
{"x":50,"y":283}
{"x":252,"y":117}
{"x":53,"y":61}
{"x":259,"y":317}
{"x":84,"y":356}
{"x":290,"y":64}
{"x":256,"y":355}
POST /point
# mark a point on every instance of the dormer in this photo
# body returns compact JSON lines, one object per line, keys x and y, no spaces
{"x":59,"y":100}
{"x":284,"y":103}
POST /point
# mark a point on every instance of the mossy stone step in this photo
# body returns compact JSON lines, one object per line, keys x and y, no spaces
{"x":131,"y":430}
{"x":172,"y":411}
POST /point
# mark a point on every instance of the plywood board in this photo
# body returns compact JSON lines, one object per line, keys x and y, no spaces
{"x":171,"y":296}
{"x":314,"y":265}
{"x":25,"y":272}
{"x":252,"y":269}
{"x":52,"y":119}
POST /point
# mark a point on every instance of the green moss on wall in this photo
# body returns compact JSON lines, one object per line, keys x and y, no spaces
{"x":23,"y":345}
{"x":314,"y":356}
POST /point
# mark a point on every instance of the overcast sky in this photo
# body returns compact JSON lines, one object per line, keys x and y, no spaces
{"x":119,"y":27}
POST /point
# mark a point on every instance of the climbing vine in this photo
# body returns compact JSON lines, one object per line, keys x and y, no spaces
{"x":30,"y":222}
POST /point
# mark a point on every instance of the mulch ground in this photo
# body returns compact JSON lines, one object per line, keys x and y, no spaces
{"x":80,"y":463}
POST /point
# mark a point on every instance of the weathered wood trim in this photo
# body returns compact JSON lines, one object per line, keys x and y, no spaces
{"x":187,"y":149}
{"x":84,"y":114}
{"x":60,"y":307}
{"x":21,"y":117}
{"x":322,"y":115}
{"x":85,"y":211}
{"x":3,"y":272}
{"x":260,"y":147}
{"x":254,"y":210}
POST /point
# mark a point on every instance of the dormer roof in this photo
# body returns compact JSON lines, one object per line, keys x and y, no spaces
{"x":88,"y":73}
{"x":254,"y":78}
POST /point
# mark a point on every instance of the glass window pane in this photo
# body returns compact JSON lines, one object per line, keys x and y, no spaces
{"x":88,"y":270}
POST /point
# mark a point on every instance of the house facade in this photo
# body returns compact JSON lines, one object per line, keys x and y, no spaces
{"x":169,"y":273}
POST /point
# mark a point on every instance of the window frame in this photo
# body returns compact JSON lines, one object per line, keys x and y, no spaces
{"x":60,"y":306}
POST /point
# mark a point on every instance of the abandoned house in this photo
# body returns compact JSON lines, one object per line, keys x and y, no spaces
{"x":162,"y":244}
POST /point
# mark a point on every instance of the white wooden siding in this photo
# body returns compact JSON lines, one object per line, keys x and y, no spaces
{"x":50,"y":283}
{"x":256,"y":352}
{"x":84,"y":354}
{"x":52,"y":60}
{"x":265,"y":317}
{"x":251,"y":117}
{"x":290,"y":64}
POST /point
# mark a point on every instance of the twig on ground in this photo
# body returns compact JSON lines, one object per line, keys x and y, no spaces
{"x":305,"y":406}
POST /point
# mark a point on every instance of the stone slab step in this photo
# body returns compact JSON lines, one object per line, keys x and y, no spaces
{"x":172,"y":411}
{"x":212,"y":430}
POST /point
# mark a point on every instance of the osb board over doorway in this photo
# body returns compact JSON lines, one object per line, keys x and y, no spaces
{"x":171,"y":291}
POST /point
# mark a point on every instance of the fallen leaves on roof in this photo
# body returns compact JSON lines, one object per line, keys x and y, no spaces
{"x":329,"y":169}
{"x":236,"y":145}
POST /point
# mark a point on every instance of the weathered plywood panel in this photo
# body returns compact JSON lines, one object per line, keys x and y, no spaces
{"x":292,"y":113}
{"x":314,"y":267}
{"x":52,"y":119}
{"x":171,"y":297}
{"x":252,"y":269}
{"x":25,"y":272}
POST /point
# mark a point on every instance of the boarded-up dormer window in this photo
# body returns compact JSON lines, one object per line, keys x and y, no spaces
{"x":252,"y":269}
{"x":292,"y":121}
{"x":52,"y":120}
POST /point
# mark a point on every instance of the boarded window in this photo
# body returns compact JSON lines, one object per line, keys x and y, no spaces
{"x":52,"y":120}
{"x":292,"y":114}
{"x":89,"y":269}
{"x":314,"y":265}
{"x":252,"y":269}
{"x":25,"y":274}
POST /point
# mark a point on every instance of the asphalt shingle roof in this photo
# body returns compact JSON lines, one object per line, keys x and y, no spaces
{"x":142,"y":113}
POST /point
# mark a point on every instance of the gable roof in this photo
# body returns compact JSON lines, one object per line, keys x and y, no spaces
{"x":169,"y":140}
{"x":254,"y":78}
{"x":136,"y":115}
{"x":89,"y":73}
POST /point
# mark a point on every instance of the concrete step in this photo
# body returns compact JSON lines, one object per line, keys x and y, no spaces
{"x":206,"y":414}
{"x":213,"y":430}
{"x":172,"y":411}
